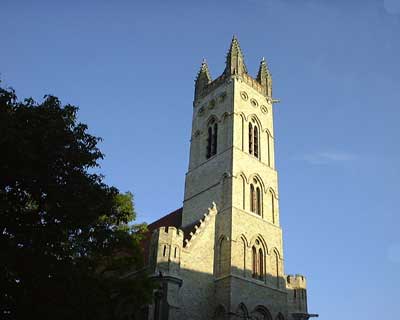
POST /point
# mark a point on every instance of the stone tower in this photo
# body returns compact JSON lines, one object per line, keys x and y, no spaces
{"x":229,"y":262}
{"x":232,"y":144}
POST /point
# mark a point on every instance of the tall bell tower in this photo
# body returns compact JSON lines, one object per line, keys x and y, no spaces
{"x":232,"y":143}
{"x":232,"y":163}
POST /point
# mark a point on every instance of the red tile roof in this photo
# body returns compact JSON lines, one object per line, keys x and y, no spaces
{"x":173,"y":219}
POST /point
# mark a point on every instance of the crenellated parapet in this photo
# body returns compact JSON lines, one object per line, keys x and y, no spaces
{"x":296,"y":281}
{"x":166,"y":247}
{"x":296,"y":286}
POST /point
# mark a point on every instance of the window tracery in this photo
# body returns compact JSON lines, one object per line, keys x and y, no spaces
{"x":258,"y":259}
{"x":254,"y":139}
{"x":255,"y":198}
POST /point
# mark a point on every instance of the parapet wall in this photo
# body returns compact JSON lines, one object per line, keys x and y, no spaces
{"x":296,"y":281}
{"x":169,"y":234}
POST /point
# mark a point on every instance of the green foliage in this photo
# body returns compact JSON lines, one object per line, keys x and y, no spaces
{"x":67,"y":239}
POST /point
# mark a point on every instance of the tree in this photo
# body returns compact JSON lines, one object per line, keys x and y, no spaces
{"x":66,"y":237}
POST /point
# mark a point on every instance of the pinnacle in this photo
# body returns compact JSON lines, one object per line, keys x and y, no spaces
{"x":235,"y":59}
{"x":235,"y":46}
{"x":204,"y":72}
{"x":263,"y":67}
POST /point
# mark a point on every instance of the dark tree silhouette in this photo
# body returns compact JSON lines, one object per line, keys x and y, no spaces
{"x":66,"y":238}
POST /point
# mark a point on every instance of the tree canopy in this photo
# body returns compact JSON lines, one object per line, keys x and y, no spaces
{"x":67,"y":238}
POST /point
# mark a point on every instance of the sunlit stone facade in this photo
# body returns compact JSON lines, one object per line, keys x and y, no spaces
{"x":221,"y":255}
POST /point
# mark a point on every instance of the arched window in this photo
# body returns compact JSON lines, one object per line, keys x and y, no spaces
{"x":242,"y":256}
{"x":255,"y":198}
{"x":220,"y":257}
{"x":165,"y":251}
{"x":253,"y":140}
{"x":212,"y":139}
{"x":250,"y":138}
{"x":261,"y":313}
{"x":209,"y":138}
{"x":223,"y":257}
{"x":252,"y":197}
{"x":258,"y":257}
{"x":276,"y":267}
{"x":256,"y":141}
{"x":258,"y":201}
{"x":268,"y":150}
{"x":254,"y":257}
{"x":243,"y":192}
{"x":272,"y":199}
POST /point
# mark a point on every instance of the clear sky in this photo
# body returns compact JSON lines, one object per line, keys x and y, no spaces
{"x":130,"y":67}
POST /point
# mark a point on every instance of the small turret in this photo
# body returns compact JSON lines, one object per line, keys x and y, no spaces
{"x":234,"y":60}
{"x":202,"y":80}
{"x":296,"y":287}
{"x":264,"y":77}
{"x":165,"y":253}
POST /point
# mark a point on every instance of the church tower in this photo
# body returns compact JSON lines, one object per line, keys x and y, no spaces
{"x":221,"y":255}
{"x":232,"y":143}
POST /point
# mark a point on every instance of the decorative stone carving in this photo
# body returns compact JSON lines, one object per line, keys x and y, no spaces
{"x":244,"y":95}
{"x":254,"y":102}
{"x":264,"y":109}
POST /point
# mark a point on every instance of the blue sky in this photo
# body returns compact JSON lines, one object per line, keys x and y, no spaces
{"x":130,"y":67}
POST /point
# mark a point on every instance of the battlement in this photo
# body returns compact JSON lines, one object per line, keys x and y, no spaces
{"x":297,"y":281}
{"x":169,"y":232}
{"x":165,"y":251}
{"x":255,"y":85}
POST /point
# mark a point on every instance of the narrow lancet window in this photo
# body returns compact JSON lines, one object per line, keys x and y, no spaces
{"x":209,"y":140}
{"x":254,"y":252}
{"x":212,"y":139}
{"x":255,"y":198}
{"x":250,"y":138}
{"x":252,"y":198}
{"x":258,"y":201}
{"x":268,"y":150}
{"x":258,"y":256}
{"x":261,"y":264}
{"x":256,"y":141}
{"x":272,"y":206}
{"x":277,"y":268}
{"x":254,"y":147}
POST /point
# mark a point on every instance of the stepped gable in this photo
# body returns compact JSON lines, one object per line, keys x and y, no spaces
{"x":188,"y":229}
{"x":173,"y":219}
{"x":191,"y":231}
